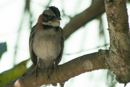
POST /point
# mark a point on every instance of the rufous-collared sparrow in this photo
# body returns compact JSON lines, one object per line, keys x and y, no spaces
{"x":46,"y":40}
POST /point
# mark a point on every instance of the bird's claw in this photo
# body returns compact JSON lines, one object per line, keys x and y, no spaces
{"x":36,"y":71}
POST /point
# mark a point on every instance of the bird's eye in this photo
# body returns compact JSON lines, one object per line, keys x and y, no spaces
{"x":49,"y":15}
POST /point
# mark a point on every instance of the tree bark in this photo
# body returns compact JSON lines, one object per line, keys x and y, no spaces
{"x":119,"y":53}
{"x":62,"y":73}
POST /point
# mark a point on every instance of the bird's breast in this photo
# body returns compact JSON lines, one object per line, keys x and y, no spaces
{"x":47,"y":44}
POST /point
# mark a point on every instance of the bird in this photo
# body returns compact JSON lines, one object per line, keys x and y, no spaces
{"x":46,"y":41}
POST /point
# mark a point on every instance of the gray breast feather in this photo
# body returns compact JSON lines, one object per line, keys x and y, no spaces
{"x":47,"y":44}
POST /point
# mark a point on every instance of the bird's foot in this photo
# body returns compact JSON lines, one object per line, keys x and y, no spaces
{"x":36,"y":71}
{"x":49,"y":71}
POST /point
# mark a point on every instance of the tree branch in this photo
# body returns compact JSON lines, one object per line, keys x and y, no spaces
{"x":63,"y":72}
{"x":81,"y":19}
{"x":119,"y":53}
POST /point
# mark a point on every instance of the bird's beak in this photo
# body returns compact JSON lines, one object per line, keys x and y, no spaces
{"x":57,"y":19}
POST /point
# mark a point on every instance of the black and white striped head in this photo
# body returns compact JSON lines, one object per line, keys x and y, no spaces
{"x":51,"y":16}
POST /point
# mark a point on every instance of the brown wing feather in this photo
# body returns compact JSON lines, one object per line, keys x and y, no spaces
{"x":32,"y":54}
{"x":58,"y":59}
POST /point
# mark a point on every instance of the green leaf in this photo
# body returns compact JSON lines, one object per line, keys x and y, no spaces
{"x":13,"y":73}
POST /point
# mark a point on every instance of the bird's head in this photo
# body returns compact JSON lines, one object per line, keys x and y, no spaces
{"x":51,"y":16}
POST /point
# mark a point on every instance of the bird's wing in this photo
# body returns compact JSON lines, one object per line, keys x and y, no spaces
{"x":32,"y":54}
{"x":58,"y":59}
